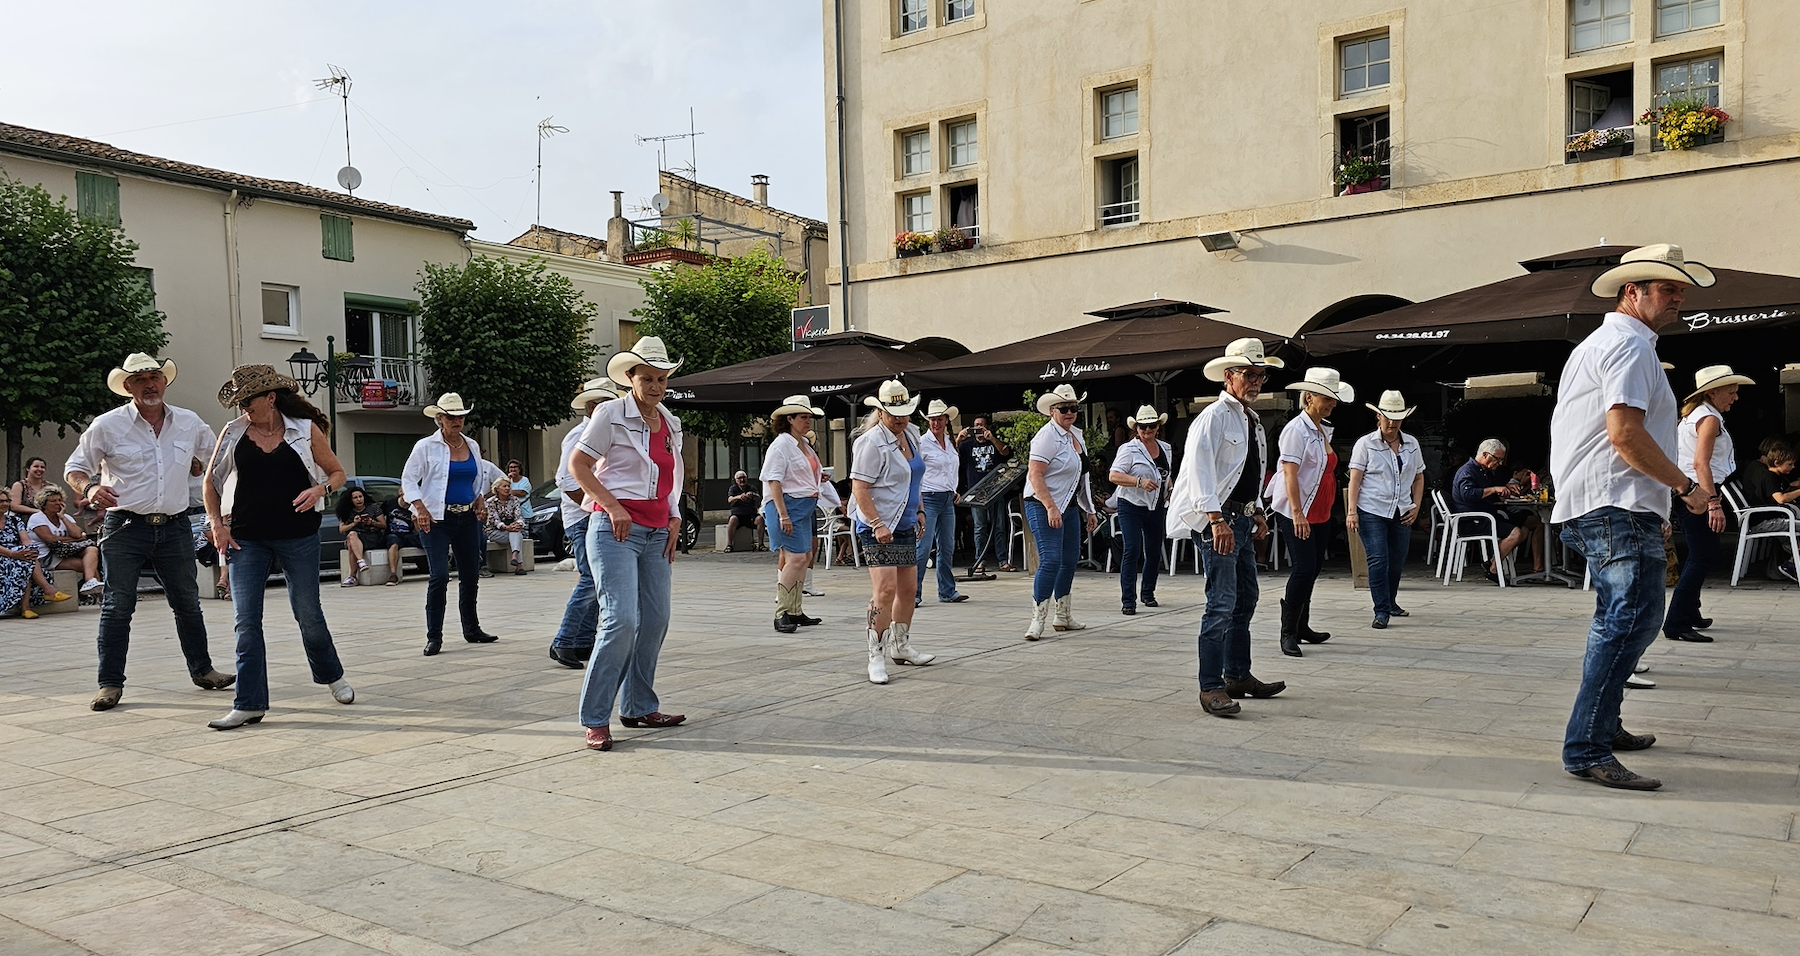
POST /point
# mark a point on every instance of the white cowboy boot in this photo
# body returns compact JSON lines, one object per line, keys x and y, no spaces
{"x":877,"y":657}
{"x":1040,"y":618}
{"x":901,"y":649}
{"x":1064,"y":619}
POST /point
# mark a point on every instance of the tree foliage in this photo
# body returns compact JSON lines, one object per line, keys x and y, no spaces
{"x":513,"y":339}
{"x":725,"y":312}
{"x":72,"y":306}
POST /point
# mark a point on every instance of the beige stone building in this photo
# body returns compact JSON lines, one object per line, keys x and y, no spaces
{"x":1107,"y":151}
{"x":726,"y":224}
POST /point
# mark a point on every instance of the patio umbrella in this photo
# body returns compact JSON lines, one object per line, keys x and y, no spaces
{"x":845,"y":363}
{"x":1553,"y":302}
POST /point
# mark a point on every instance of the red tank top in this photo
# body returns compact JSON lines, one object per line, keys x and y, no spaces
{"x":1321,"y":506}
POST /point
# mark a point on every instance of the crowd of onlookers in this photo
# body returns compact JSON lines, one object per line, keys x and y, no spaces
{"x":42,"y":530}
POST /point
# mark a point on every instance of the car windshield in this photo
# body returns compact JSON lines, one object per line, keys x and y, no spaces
{"x":547,"y":491}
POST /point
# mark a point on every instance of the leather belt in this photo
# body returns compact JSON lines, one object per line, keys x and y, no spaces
{"x":149,"y":518}
{"x":458,"y":509}
{"x":1246,"y":508}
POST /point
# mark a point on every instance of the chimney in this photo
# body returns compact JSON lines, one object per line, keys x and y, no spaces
{"x":759,"y":189}
{"x":618,"y":231}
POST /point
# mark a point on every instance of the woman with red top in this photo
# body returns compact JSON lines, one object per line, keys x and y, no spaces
{"x":628,"y":463}
{"x":1301,"y":495}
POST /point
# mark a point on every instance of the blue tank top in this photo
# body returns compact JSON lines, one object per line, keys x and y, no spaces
{"x":461,"y":489}
{"x":917,"y":467}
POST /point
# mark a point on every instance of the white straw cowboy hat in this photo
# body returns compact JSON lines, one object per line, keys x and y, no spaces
{"x":1649,"y":263}
{"x":894,"y":399}
{"x":1715,"y":376}
{"x":249,"y":381}
{"x":450,"y":404}
{"x":1392,"y":405}
{"x":1146,"y":416}
{"x":1242,"y":353}
{"x":138,"y":362}
{"x":649,"y":350}
{"x":937,"y":407}
{"x":1063,"y":394}
{"x":1325,"y":381}
{"x":594,"y":390}
{"x":797,"y":405}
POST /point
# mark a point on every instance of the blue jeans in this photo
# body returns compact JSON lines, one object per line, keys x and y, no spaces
{"x":1308,"y":557}
{"x":990,"y":532}
{"x":1624,"y":550}
{"x":940,"y":528}
{"x":1143,"y":531}
{"x":635,"y":574}
{"x":128,"y":543}
{"x":1703,"y":555}
{"x":460,"y":533}
{"x":581,"y":616}
{"x":1058,"y":550}
{"x":299,"y":558}
{"x":1231,"y":595}
{"x":1384,"y":541}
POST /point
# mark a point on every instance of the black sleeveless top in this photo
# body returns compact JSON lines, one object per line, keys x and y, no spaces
{"x":267,"y":484}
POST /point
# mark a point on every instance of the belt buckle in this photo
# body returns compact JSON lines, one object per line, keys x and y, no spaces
{"x":157,"y":519}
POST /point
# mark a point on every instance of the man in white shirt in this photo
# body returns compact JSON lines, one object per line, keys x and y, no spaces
{"x":135,"y":462}
{"x":1217,"y":499}
{"x":937,"y":493}
{"x":1612,"y":439}
{"x":574,"y":640}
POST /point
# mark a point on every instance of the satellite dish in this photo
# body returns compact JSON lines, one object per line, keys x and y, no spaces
{"x":349,"y":178}
{"x":660,"y":203}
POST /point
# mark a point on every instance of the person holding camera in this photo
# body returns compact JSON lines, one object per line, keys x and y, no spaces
{"x":981,"y":451}
{"x":364,"y":525}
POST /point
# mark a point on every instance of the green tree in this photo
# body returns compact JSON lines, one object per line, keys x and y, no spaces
{"x":72,"y":306}
{"x":514,"y":339}
{"x":722,"y":313}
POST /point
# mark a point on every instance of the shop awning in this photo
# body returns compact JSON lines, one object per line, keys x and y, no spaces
{"x":845,"y":363}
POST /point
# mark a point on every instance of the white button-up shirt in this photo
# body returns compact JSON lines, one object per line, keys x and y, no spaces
{"x":943,"y":466}
{"x":793,"y":466}
{"x":1134,"y":459}
{"x":1687,"y":440}
{"x":1387,"y":481}
{"x":1060,"y":450}
{"x":876,"y":459}
{"x":565,"y":479}
{"x":1308,"y":447}
{"x":1616,"y":365}
{"x":619,"y":439}
{"x":426,"y":476}
{"x":1212,"y":460}
{"x":148,"y":470}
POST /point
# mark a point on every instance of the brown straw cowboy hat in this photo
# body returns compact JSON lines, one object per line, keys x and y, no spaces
{"x":249,"y":381}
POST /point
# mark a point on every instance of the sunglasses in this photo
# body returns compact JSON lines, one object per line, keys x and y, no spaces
{"x":1253,"y":375}
{"x":1067,"y":409}
{"x":246,"y":403}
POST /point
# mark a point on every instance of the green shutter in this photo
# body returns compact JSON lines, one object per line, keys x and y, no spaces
{"x":97,"y":197}
{"x":335,"y":241}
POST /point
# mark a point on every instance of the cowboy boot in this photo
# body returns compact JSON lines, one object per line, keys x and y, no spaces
{"x":1064,"y":619}
{"x":1290,"y":640}
{"x":799,"y":612}
{"x":877,"y":657}
{"x":1040,"y":618}
{"x":901,"y":649}
{"x":1304,"y":629}
{"x":785,"y":598}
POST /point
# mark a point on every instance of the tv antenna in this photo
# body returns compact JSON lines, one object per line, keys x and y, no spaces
{"x":662,"y":149}
{"x":339,"y":84}
{"x":546,"y":129}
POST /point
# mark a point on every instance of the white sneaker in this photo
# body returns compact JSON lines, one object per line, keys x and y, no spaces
{"x":1635,"y":682}
{"x":92,"y":584}
{"x":342,"y":692}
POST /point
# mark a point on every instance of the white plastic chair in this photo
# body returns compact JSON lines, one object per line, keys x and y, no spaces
{"x":1750,"y":542}
{"x":1434,"y":539}
{"x":1457,"y":541}
{"x":1015,"y":531}
{"x":832,"y":526}
{"x":1175,"y":546}
{"x":1112,"y":531}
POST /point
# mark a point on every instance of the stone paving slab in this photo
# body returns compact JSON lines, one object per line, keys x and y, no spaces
{"x":1013,"y":799}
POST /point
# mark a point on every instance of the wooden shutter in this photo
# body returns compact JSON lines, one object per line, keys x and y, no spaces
{"x":97,"y":197}
{"x":335,"y":239}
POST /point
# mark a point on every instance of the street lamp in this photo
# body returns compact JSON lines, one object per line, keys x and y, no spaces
{"x":304,"y":366}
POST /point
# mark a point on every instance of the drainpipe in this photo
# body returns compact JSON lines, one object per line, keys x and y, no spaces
{"x":231,"y":280}
{"x":842,"y":175}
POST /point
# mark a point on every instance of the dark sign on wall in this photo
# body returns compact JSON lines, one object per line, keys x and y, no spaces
{"x":810,"y":323}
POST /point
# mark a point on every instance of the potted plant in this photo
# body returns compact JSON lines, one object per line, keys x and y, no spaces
{"x":950,"y":239}
{"x":908,"y":244}
{"x":1357,"y":174}
{"x":1684,"y":121}
{"x":1595,"y":139}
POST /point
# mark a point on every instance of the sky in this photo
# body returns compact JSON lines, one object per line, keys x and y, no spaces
{"x":445,"y":96}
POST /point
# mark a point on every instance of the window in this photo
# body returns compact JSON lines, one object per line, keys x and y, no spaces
{"x":965,"y":210}
{"x":1119,"y":113}
{"x":915,"y":153}
{"x":1597,"y":23}
{"x":389,"y":339}
{"x":1676,"y":16}
{"x":335,"y":239}
{"x":97,"y":198}
{"x":916,"y":210}
{"x":1693,"y":78}
{"x":280,"y":310}
{"x":913,"y":16}
{"x":1119,"y":203}
{"x":1601,"y":104}
{"x":963,"y":145}
{"x":1367,"y":136}
{"x":955,"y":10}
{"x":1363,"y":65}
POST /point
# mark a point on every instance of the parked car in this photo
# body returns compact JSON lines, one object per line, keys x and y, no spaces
{"x":545,"y":526}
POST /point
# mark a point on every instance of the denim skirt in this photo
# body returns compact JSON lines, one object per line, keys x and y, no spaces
{"x":800,"y":512}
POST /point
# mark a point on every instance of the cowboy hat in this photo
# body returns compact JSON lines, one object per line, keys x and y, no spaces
{"x":1715,"y":376}
{"x":139,"y":362}
{"x":649,"y":350}
{"x":594,"y":390}
{"x":1145,"y":415}
{"x":1648,"y":263}
{"x":894,"y":399}
{"x":450,"y":404}
{"x":1240,"y":354}
{"x":249,"y":381}
{"x":1063,"y":394}
{"x":1392,"y":405}
{"x":1325,"y":381}
{"x":797,"y":405}
{"x":937,"y":407}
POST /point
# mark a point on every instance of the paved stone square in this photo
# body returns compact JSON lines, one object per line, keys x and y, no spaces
{"x":1404,"y":795}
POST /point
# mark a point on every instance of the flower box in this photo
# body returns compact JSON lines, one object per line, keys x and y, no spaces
{"x":1369,"y":186}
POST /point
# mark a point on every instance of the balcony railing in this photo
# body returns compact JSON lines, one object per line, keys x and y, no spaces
{"x":405,"y":378}
{"x":1119,"y":213}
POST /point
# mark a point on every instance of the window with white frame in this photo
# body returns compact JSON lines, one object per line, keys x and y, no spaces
{"x":280,"y":310}
{"x":964,"y":148}
{"x":1598,"y":23}
{"x":1689,"y":78}
{"x":955,"y":10}
{"x":1363,"y":64}
{"x":1676,"y":16}
{"x":915,"y":153}
{"x":914,"y":16}
{"x":1119,"y":191}
{"x":1119,"y":113}
{"x":916,"y":211}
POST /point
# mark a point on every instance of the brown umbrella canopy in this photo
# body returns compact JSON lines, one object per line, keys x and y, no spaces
{"x":845,"y":363}
{"x":1553,"y":302}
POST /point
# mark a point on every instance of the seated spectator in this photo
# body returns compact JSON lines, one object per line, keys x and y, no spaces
{"x":744,"y":497}
{"x":364,"y":526}
{"x":63,"y":545}
{"x":1769,"y":482}
{"x":521,"y":486}
{"x":505,"y":522}
{"x":400,"y":522}
{"x":1481,"y":484}
{"x":28,"y":487}
{"x":23,"y":583}
{"x":206,"y":553}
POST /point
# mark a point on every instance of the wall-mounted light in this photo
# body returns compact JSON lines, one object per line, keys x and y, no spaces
{"x":1219,"y":241}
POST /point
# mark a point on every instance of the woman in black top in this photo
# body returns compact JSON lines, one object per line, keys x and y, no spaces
{"x":265,"y":488}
